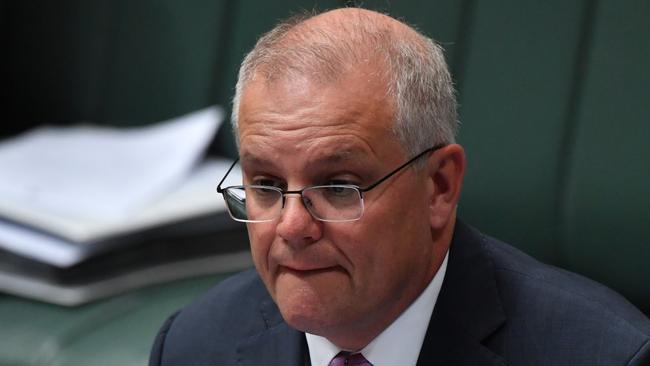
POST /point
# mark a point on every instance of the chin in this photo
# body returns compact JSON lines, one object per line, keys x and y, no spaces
{"x":311,"y":302}
{"x":329,"y":322}
{"x":305,"y":317}
{"x":303,"y":308}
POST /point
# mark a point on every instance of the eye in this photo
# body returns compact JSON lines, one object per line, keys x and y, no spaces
{"x":267,"y":182}
{"x":339,"y":191}
{"x":339,"y":188}
{"x":341,"y":182}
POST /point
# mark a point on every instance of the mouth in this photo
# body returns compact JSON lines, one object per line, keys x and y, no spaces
{"x":304,"y":272}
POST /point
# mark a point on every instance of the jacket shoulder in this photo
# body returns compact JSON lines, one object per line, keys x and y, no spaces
{"x":548,"y":308}
{"x":209,"y":329}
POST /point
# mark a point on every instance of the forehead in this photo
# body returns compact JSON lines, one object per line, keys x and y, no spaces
{"x":299,"y":117}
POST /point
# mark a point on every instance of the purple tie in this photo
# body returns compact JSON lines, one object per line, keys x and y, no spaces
{"x":347,"y":359}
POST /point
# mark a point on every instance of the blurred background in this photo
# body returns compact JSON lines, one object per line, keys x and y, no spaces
{"x":554,"y":106}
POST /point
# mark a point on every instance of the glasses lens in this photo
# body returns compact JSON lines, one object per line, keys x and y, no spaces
{"x":253,"y":203}
{"x":334,"y":202}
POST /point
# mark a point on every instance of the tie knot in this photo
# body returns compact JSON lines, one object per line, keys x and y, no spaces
{"x":349,"y":359}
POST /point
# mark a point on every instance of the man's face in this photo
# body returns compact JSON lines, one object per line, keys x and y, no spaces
{"x":335,"y":279}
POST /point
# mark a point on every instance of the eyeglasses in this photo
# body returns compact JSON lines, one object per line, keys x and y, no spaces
{"x":329,"y":203}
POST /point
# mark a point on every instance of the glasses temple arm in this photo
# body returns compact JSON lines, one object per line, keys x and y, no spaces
{"x":219,"y":190}
{"x":416,"y":157}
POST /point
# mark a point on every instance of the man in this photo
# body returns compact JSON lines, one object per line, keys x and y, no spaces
{"x":345,"y":123}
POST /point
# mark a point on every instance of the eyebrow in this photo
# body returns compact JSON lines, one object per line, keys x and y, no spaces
{"x":248,"y":158}
{"x":339,"y":156}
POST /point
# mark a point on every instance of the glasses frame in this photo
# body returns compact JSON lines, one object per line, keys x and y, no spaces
{"x":360,"y":190}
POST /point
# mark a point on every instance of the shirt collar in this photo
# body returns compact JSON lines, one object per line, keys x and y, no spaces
{"x":400,"y":343}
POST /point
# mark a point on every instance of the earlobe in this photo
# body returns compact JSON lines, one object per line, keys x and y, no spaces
{"x":446,"y":168}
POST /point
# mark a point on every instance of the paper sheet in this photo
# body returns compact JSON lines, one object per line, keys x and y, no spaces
{"x":195,"y":197}
{"x":92,"y":172}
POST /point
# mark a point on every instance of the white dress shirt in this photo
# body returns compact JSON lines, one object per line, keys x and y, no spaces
{"x":400,"y":343}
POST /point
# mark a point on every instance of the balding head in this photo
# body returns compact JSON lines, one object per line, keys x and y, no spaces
{"x":324,"y":47}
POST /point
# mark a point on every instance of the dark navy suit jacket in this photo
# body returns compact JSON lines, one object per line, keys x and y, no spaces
{"x":497,"y":306}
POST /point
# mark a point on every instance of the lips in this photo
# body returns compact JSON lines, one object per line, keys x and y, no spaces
{"x":307,"y":270}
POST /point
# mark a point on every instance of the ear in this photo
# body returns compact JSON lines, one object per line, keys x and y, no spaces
{"x":445,"y":168}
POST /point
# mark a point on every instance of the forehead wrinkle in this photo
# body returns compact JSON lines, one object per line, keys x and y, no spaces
{"x":259,"y":132}
{"x":339,"y":145}
{"x":339,"y":154}
{"x":344,"y":117}
{"x":330,"y":148}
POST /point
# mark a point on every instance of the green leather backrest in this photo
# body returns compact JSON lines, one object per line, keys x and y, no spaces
{"x":515,"y":94}
{"x":606,"y":212}
{"x":119,"y":62}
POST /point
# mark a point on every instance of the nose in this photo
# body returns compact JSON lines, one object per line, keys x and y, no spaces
{"x":297,"y":226}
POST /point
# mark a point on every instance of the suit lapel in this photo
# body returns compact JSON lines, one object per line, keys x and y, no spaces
{"x":277,"y":345}
{"x":468,"y":309}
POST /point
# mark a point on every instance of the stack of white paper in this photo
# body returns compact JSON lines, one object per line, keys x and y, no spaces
{"x":64,"y":188}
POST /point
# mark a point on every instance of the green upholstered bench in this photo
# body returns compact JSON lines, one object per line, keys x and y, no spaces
{"x":554,"y":106}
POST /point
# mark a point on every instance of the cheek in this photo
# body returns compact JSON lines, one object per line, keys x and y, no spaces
{"x":261,"y":236}
{"x":360,"y":244}
{"x":396,"y":235}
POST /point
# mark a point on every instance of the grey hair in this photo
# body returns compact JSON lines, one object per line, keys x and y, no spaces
{"x":419,"y":81}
